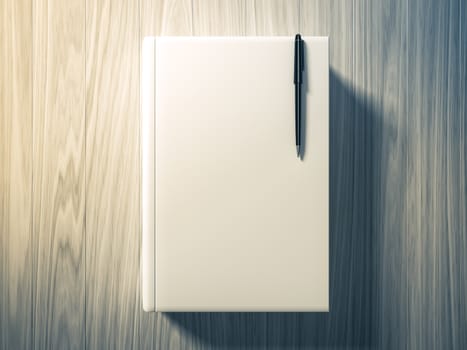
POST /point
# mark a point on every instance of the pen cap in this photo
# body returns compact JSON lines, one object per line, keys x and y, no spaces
{"x":298,"y":59}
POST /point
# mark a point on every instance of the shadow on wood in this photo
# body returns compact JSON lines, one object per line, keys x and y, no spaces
{"x":354,"y":288}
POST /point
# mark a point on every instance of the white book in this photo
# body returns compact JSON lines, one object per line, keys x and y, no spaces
{"x":232,"y":220}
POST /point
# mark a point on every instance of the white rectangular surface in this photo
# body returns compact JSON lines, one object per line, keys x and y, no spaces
{"x":232,"y":219}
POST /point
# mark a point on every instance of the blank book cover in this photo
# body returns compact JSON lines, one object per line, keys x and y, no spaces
{"x":232,"y":219}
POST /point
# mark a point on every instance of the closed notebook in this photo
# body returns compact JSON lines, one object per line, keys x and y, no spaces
{"x":232,"y":219}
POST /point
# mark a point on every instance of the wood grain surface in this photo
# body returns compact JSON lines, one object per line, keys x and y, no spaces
{"x":437,"y":197}
{"x":112,"y":174}
{"x":70,"y":174}
{"x":58,"y":174}
{"x":380,"y":81}
{"x":176,"y":17}
{"x":272,"y":17}
{"x":15,"y":174}
{"x":219,"y":17}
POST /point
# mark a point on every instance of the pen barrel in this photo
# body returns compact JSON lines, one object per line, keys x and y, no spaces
{"x":298,"y":69}
{"x":298,"y":101}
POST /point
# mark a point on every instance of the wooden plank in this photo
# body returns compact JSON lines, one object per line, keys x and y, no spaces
{"x":436,"y":201}
{"x":15,"y":175}
{"x":58,"y":174}
{"x":112,"y":174}
{"x":381,"y":110}
{"x":460,"y":188}
{"x":453,"y":277}
{"x":461,"y":244}
{"x":3,"y":204}
{"x":4,"y":146}
{"x":219,"y":17}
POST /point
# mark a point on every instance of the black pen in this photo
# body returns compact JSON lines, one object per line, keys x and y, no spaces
{"x":298,"y":69}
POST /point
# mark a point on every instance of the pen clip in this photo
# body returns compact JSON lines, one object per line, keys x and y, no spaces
{"x":299,"y":60}
{"x":302,"y":55}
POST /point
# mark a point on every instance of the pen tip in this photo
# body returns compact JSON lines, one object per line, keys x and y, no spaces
{"x":298,"y":151}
